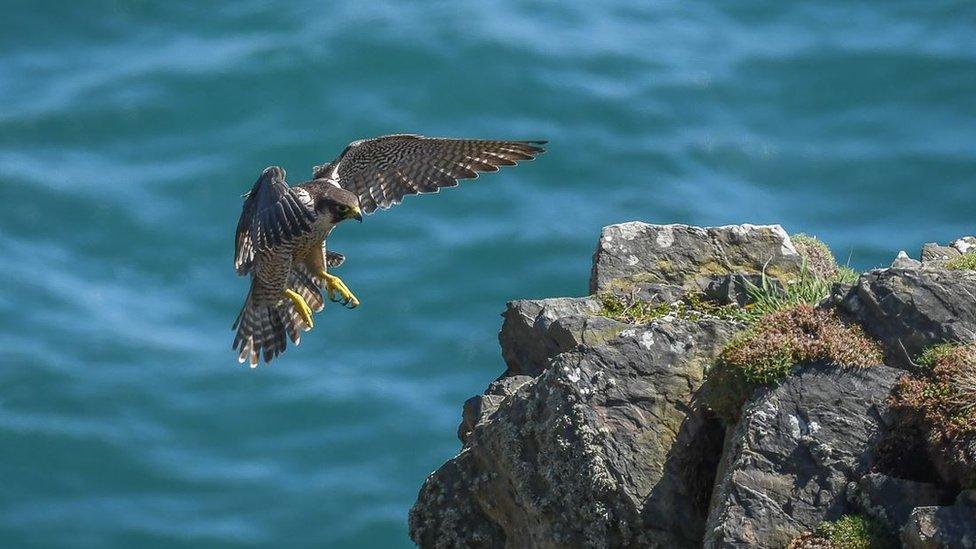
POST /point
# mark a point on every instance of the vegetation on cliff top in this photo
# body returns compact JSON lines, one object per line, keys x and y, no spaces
{"x":942,"y":398}
{"x":769,"y":297}
{"x":766,"y":352}
{"x":848,"y":532}
{"x":964,"y":262}
{"x":691,"y":306}
{"x":818,"y":257}
{"x":819,"y":273}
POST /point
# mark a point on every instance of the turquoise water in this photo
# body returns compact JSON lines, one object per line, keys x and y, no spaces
{"x":128,"y":131}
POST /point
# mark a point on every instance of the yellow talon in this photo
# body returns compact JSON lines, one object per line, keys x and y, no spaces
{"x":303,"y":309}
{"x":335,"y":284}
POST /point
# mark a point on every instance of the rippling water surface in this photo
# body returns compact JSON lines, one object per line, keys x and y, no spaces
{"x":129,"y":129}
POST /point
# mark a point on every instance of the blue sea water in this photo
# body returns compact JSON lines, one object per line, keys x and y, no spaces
{"x":129,"y":130}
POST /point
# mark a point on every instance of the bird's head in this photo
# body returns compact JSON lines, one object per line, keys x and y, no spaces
{"x":339,"y":205}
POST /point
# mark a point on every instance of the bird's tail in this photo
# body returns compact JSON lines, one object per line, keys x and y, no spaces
{"x":262,"y":327}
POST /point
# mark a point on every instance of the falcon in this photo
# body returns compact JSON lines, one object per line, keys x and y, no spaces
{"x":282,"y":232}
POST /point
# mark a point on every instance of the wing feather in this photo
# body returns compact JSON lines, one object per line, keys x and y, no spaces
{"x":273,"y":213}
{"x":383,"y":170}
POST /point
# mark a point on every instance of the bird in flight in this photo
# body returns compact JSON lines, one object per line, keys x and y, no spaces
{"x":282,"y":232}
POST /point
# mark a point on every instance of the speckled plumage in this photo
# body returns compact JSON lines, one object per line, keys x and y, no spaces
{"x":282,"y":230}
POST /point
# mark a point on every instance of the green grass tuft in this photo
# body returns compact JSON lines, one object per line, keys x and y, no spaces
{"x":846,"y":275}
{"x":848,"y":532}
{"x":964,"y":262}
{"x":856,"y":532}
{"x":819,"y":273}
{"x":770,"y":297}
{"x":935,"y":354}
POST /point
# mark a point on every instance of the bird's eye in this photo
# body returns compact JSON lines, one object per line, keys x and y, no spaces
{"x":343,"y":208}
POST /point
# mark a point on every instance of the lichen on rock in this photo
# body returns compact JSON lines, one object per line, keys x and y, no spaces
{"x":693,"y":305}
{"x":686,"y":256}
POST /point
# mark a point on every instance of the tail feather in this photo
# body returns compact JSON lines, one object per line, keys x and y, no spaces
{"x":260,"y":331}
{"x":275,"y":335}
{"x":264,"y":328}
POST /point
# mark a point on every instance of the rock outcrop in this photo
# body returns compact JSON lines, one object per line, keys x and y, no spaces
{"x":637,"y":253}
{"x":892,"y":500}
{"x":535,"y":330}
{"x":793,"y":453}
{"x":598,"y":433}
{"x":936,"y":255}
{"x":915,"y":308}
{"x":942,"y":527}
{"x":604,"y":448}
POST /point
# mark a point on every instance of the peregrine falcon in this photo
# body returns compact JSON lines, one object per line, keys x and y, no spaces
{"x":282,"y":232}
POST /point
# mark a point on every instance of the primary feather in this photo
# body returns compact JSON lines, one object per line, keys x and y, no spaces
{"x":383,"y":170}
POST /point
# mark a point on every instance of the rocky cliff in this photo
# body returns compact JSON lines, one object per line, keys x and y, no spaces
{"x":724,"y":387}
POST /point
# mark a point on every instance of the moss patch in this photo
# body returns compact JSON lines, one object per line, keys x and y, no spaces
{"x":964,"y":262}
{"x":766,"y":352}
{"x":692,"y":306}
{"x":848,"y":532}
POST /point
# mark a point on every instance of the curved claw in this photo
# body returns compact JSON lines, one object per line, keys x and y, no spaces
{"x":334,"y":285}
{"x":300,"y":306}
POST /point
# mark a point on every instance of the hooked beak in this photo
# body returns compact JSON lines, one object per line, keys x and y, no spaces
{"x":355,"y":213}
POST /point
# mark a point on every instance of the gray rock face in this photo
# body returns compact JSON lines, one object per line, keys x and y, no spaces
{"x":794,"y":452}
{"x":535,"y":330}
{"x":936,"y":255}
{"x":902,"y":261}
{"x":933,"y":254}
{"x":687,"y":256}
{"x":951,"y":527}
{"x":965,"y":244}
{"x":920,"y":308}
{"x":604,"y":449}
{"x":892,"y":500}
{"x":480,"y":407}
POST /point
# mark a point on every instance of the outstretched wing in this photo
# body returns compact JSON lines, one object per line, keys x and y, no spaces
{"x":383,"y":170}
{"x":273,"y":213}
